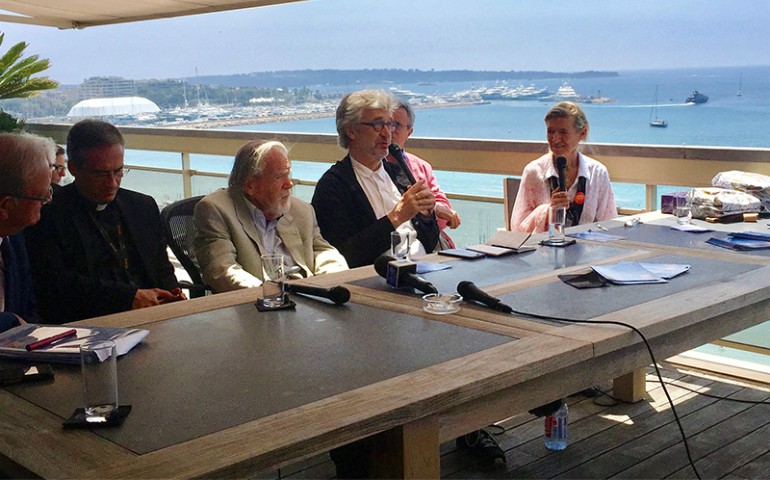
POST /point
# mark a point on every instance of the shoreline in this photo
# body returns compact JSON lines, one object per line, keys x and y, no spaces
{"x":232,"y":122}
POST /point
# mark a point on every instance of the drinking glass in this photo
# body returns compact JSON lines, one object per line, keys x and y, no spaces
{"x":557,"y":216}
{"x":100,"y":379}
{"x":272,"y":286}
{"x":683,"y":212}
{"x":401,"y":245}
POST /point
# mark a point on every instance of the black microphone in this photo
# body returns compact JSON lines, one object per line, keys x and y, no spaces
{"x":561,"y":169}
{"x":469,"y":291}
{"x":398,"y":154}
{"x":336,"y":294}
{"x":402,"y":273}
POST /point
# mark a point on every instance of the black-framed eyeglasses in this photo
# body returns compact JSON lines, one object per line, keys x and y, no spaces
{"x":58,"y":168}
{"x":400,"y":126}
{"x":43,"y":201}
{"x":379,"y":125}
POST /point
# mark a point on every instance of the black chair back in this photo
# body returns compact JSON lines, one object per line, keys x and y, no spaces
{"x":180,"y":233}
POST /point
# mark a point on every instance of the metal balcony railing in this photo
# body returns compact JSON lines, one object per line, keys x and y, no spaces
{"x":648,"y":165}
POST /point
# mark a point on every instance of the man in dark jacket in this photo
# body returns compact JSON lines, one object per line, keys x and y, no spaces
{"x":98,"y":248}
{"x":25,"y":176}
{"x":361,"y":199}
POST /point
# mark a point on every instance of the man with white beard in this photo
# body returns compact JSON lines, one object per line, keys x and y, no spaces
{"x":256,"y":215}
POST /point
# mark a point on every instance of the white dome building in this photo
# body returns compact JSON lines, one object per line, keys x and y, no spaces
{"x":105,"y":107}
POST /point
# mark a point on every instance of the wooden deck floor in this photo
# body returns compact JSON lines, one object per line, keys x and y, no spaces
{"x":727,"y":439}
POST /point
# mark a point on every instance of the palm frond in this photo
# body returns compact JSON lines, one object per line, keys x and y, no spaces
{"x":17,"y":71}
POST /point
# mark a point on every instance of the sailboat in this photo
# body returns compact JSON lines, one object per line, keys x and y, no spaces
{"x":655,"y":122}
{"x":740,"y":82}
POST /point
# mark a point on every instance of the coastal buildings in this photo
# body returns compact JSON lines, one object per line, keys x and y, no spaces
{"x":107,"y":87}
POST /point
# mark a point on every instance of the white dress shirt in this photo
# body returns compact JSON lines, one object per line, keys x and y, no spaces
{"x":268,"y":230}
{"x":383,"y":196}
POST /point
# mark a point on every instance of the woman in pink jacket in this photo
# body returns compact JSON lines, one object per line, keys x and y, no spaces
{"x":422,"y":170}
{"x":588,"y":197}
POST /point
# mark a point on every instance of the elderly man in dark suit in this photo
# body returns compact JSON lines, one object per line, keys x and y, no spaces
{"x":24,"y":188}
{"x":98,"y":248}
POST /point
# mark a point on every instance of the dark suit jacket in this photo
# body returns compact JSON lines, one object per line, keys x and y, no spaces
{"x":347,"y":220}
{"x":19,"y":298}
{"x":69,"y":284}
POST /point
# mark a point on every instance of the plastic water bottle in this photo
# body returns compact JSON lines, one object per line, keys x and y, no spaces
{"x":556,"y":428}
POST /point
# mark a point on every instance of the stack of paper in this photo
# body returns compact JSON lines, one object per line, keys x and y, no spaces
{"x":691,"y":227}
{"x":13,"y":342}
{"x":743,"y":241}
{"x":631,"y":273}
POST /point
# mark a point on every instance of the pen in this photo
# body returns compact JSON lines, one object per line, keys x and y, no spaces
{"x":602,"y":228}
{"x":47,"y":341}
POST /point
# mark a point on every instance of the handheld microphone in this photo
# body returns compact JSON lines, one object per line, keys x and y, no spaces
{"x":398,"y":154}
{"x":561,"y":169}
{"x":337,"y":294}
{"x":470,"y":291}
{"x":402,"y":273}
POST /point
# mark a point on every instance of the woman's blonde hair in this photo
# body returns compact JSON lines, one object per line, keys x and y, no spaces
{"x":569,"y":110}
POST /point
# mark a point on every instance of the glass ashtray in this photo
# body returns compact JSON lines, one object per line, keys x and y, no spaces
{"x":441,"y":303}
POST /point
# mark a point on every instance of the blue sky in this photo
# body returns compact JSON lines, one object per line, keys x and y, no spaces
{"x":552,"y":35}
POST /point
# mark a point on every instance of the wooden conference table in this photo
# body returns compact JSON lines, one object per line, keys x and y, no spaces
{"x":220,"y":389}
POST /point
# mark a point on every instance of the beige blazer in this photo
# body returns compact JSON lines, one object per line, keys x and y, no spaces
{"x":228,"y":246}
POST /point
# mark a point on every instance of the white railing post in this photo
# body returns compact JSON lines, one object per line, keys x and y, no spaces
{"x":186,"y":175}
{"x":651,"y":197}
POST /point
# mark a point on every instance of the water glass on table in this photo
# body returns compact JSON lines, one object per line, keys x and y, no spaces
{"x":557,"y":217}
{"x":683,"y":211}
{"x":98,"y":362}
{"x":401,"y":245}
{"x":272,"y":286}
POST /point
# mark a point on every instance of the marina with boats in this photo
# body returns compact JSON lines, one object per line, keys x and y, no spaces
{"x":486,"y":101}
{"x":205,"y":115}
{"x":532,"y":92}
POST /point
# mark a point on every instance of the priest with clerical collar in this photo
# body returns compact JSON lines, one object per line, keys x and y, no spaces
{"x":257,"y":215}
{"x":99,"y":248}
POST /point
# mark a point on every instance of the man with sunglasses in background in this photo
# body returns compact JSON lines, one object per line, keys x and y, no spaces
{"x":24,"y":188}
{"x":98,"y":248}
{"x":58,"y":168}
{"x":361,"y":199}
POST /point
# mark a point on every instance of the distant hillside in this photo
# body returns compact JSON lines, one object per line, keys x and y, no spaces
{"x":310,"y":78}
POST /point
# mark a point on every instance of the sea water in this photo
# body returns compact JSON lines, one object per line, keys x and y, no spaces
{"x":725,"y":120}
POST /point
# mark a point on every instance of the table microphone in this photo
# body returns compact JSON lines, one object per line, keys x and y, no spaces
{"x":398,"y":154}
{"x":337,"y":294}
{"x":561,"y":169}
{"x":470,"y":291}
{"x":402,"y":273}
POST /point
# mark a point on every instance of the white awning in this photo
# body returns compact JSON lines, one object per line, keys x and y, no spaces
{"x":101,"y":107}
{"x":87,"y":13}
